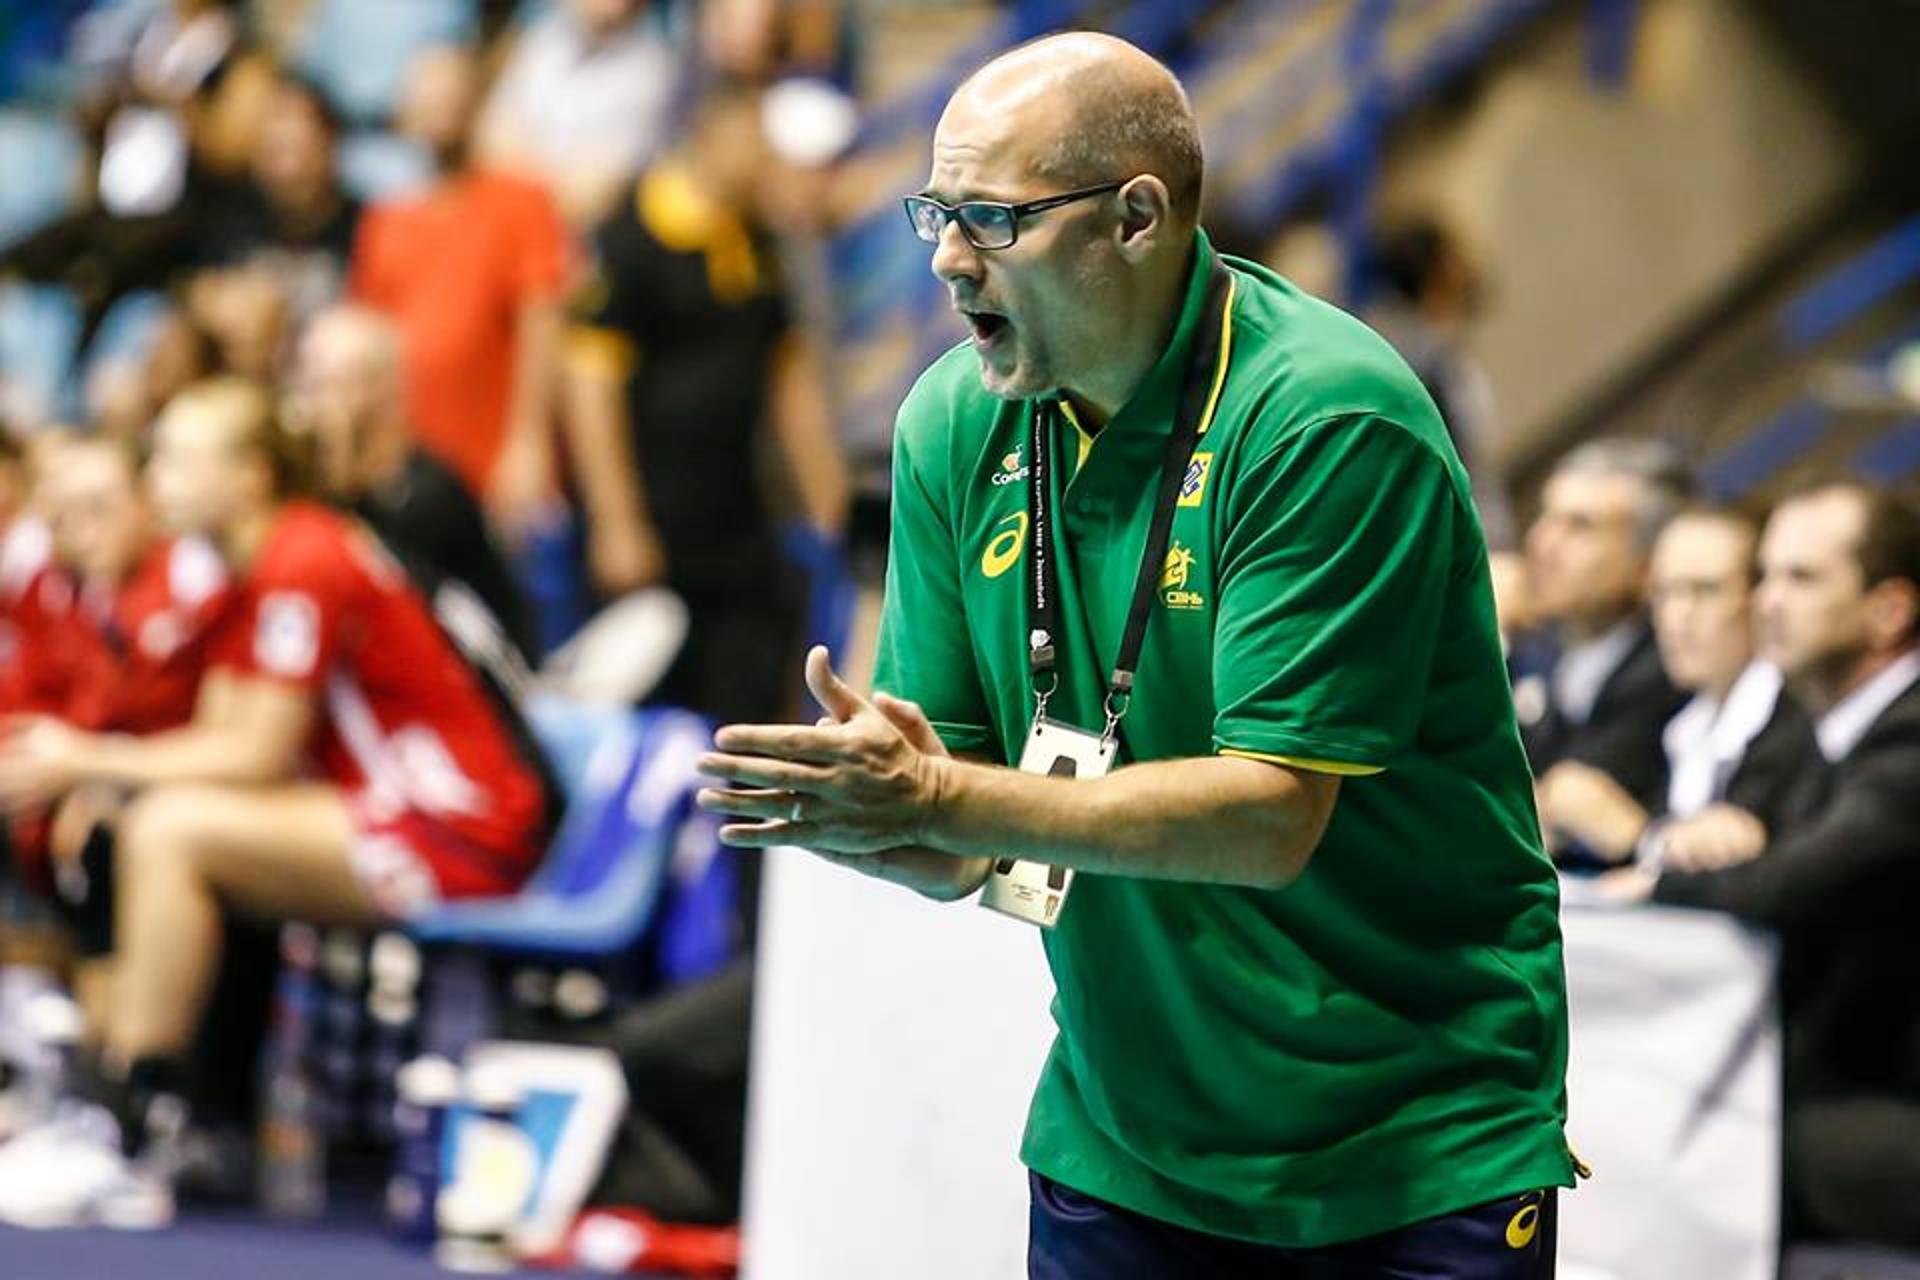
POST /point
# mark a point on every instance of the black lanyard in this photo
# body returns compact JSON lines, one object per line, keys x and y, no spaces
{"x":1043,"y":580}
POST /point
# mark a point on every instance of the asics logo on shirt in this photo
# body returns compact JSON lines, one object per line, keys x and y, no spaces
{"x":1523,"y":1226}
{"x":1003,"y":549}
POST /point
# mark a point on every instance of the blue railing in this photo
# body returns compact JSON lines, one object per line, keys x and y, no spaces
{"x":1836,"y":300}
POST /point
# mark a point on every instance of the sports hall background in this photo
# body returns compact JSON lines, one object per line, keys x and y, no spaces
{"x":1696,"y":220}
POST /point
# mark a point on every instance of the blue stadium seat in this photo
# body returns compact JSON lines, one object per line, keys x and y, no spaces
{"x":629,"y":780}
{"x":39,"y":335}
{"x":39,"y":173}
{"x":360,"y":51}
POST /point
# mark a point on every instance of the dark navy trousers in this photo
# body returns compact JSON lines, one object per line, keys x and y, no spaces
{"x":1076,"y":1237}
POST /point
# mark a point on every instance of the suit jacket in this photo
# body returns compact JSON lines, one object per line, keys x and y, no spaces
{"x":1841,"y":884}
{"x":1781,"y":777}
{"x":1622,"y":736}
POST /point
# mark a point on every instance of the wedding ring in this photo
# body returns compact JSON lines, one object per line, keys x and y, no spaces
{"x":794,"y":814}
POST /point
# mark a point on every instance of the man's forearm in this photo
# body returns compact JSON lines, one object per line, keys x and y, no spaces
{"x":536,"y":363}
{"x":1219,"y":819}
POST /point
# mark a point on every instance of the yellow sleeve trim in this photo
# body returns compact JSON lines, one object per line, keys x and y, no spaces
{"x":607,"y":352}
{"x":1338,"y":768}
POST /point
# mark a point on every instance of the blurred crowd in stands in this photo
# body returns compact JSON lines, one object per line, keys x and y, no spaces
{"x":403,"y":340}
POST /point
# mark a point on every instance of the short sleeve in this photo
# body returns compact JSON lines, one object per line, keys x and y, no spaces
{"x":605,"y":310}
{"x":925,"y":653}
{"x":540,"y":246}
{"x":298,"y":616}
{"x":1333,"y":580}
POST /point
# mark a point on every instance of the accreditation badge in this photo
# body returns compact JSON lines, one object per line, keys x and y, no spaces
{"x":1033,"y":891}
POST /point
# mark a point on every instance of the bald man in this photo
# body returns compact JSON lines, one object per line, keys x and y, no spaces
{"x":348,"y":386}
{"x":1189,"y":657}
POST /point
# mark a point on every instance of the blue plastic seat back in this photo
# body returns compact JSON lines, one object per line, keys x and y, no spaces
{"x":628,"y":777}
{"x":629,"y":780}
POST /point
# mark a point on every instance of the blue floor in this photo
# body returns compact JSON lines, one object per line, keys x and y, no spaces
{"x":211,"y":1246}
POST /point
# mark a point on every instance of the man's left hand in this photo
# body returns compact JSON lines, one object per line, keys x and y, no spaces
{"x":1585,"y":803}
{"x":858,"y":785}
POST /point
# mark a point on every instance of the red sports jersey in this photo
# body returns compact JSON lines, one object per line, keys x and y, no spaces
{"x":405,"y":727}
{"x":26,"y":566}
{"x":129,"y":660}
{"x":144,"y":650}
{"x":126,"y":661}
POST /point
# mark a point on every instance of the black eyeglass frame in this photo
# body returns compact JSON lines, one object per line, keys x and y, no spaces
{"x":1014,"y":212}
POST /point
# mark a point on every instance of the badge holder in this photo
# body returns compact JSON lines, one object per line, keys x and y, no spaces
{"x":1034,"y":891}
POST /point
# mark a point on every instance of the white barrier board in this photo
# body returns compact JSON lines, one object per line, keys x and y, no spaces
{"x":896,"y":1045}
{"x":1674,"y":1093}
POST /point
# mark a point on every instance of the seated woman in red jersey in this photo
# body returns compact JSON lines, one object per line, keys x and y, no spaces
{"x":343,"y":766}
{"x":112,"y":638}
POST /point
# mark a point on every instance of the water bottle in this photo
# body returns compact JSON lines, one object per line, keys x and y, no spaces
{"x":495,"y":1168}
{"x":293,"y":1148}
{"x":393,"y":988}
{"x":427,"y":1087}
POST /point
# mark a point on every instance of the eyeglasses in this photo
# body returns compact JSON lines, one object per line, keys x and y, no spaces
{"x":987,"y":224}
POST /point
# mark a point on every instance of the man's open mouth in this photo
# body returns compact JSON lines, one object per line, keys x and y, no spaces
{"x":986,"y":326}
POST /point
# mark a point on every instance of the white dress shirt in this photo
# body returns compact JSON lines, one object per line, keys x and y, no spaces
{"x":1840,"y":730}
{"x":1707,"y":738}
{"x":1583,"y":670}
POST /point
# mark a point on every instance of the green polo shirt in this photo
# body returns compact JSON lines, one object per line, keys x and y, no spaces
{"x":1385,"y":1039}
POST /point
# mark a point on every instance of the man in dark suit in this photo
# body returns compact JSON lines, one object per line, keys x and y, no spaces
{"x":1736,"y":750}
{"x":1592,"y":689}
{"x":1839,"y":612}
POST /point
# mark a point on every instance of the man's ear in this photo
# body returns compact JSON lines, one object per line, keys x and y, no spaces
{"x":1893,"y":612}
{"x":1146,"y":215}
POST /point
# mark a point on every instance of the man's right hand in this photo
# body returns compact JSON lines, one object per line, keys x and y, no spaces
{"x":1721,"y":835}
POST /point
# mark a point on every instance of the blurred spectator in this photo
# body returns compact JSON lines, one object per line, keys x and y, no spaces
{"x":246,"y":314}
{"x":362,"y":51}
{"x":26,"y":549}
{"x":180,"y":47}
{"x":349,"y":389}
{"x":759,"y":40}
{"x":1740,"y":741}
{"x":330,"y":667}
{"x":133,"y":643}
{"x":1432,"y":292}
{"x":472,"y":272}
{"x":1590,"y":689}
{"x":684,"y":347}
{"x":293,"y":216}
{"x":124,"y":395}
{"x":119,"y":646}
{"x":172,"y":124}
{"x":585,"y":100}
{"x":1839,"y":612}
